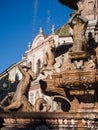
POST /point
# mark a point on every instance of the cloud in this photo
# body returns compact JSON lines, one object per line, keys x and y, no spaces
{"x":48,"y":21}
{"x":35,"y":10}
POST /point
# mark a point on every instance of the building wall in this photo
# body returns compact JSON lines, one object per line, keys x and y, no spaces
{"x":9,"y":79}
{"x":39,"y":47}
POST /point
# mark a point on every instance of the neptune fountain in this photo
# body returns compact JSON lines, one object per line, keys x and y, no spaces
{"x":70,"y":85}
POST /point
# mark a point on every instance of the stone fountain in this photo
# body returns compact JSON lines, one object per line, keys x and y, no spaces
{"x":72,"y":85}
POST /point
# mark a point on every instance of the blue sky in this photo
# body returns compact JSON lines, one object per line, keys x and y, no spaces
{"x":20,"y":21}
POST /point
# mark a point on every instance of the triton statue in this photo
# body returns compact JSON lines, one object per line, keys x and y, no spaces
{"x":48,"y":59}
{"x":79,"y":26}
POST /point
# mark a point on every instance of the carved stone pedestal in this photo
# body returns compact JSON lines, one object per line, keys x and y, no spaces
{"x":77,"y":55}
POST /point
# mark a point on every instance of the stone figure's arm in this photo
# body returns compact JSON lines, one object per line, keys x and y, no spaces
{"x":5,"y":99}
{"x":14,"y":105}
{"x":32,"y":74}
{"x":73,"y":16}
{"x":21,"y":68}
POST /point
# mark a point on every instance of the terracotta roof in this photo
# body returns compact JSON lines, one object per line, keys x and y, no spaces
{"x":70,"y":3}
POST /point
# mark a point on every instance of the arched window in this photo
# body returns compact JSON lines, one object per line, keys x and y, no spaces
{"x":38,"y":66}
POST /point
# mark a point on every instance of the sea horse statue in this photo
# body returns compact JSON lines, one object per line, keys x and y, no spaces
{"x":20,"y":101}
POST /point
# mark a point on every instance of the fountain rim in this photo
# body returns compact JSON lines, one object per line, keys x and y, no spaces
{"x":48,"y":115}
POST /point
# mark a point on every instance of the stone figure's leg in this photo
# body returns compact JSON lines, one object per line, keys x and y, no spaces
{"x":14,"y":105}
{"x":7,"y":98}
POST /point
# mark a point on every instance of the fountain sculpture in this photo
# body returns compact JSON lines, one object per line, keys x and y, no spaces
{"x":73,"y":88}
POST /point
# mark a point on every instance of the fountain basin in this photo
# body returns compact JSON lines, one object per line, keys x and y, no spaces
{"x":47,"y":120}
